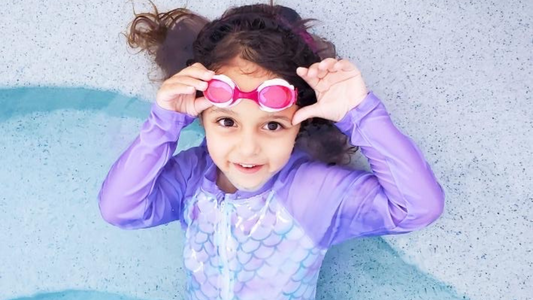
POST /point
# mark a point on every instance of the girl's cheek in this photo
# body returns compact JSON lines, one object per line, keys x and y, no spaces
{"x":282,"y":146}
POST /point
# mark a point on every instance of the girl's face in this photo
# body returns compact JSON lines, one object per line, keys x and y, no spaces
{"x":248,"y":145}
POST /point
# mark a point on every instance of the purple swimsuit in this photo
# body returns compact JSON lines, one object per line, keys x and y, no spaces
{"x":269,"y":244}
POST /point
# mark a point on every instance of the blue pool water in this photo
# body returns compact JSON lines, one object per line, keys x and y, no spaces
{"x":57,"y":146}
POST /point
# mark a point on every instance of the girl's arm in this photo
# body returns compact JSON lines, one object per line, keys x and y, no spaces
{"x":146,"y":185}
{"x":400,"y":195}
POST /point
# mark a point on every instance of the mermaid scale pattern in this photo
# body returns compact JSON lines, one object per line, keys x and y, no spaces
{"x":247,"y":249}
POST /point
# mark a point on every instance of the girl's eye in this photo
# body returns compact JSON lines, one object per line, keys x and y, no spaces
{"x":273,"y":126}
{"x":226,"y":122}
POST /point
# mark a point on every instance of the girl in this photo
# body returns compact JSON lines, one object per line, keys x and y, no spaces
{"x":265,"y":195}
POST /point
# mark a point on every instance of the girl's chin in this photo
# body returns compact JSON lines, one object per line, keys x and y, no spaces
{"x":242,"y":182}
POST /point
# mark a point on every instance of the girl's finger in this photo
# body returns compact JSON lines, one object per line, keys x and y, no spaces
{"x":198,"y":65}
{"x":345,"y":65}
{"x":304,"y":73}
{"x":327,"y":64}
{"x":196,"y":71}
{"x":325,"y":67}
{"x":170,"y":91}
{"x":301,"y":71}
{"x":305,"y":113}
{"x":191,"y":81}
{"x":313,"y":70}
{"x":321,"y":73}
{"x":201,"y":104}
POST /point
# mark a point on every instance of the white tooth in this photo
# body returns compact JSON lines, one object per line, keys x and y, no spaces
{"x":248,"y":166}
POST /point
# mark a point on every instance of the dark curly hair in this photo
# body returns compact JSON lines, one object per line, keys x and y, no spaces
{"x":273,"y":37}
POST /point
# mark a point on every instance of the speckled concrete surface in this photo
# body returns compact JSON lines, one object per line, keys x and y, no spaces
{"x":74,"y":43}
{"x":455,"y":76}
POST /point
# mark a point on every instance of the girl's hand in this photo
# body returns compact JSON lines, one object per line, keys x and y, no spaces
{"x":178,"y":93}
{"x":339,"y":87}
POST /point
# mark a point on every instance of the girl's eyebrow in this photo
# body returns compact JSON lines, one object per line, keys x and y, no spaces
{"x":223,"y":111}
{"x":277,"y":117}
{"x":228,"y":111}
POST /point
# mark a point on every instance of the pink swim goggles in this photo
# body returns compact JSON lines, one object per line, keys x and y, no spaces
{"x":271,"y":96}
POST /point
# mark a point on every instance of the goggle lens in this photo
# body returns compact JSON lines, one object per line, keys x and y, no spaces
{"x":219,"y":92}
{"x":275,"y":96}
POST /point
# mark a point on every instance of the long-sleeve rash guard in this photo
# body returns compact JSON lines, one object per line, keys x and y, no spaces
{"x":270,"y":243}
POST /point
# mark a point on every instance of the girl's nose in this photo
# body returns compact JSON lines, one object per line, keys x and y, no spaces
{"x":249,"y":145}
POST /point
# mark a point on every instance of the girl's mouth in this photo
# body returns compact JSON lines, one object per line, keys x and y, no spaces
{"x":248,"y":168}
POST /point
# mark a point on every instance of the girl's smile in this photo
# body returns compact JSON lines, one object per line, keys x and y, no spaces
{"x":248,"y":168}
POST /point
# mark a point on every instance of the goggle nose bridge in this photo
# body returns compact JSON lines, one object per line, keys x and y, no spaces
{"x":238,"y":94}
